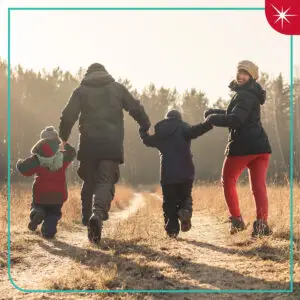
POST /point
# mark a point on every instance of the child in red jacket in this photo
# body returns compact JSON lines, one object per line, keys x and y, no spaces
{"x":48,"y":163}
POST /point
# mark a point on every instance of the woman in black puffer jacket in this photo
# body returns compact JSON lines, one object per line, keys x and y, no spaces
{"x":248,"y":146}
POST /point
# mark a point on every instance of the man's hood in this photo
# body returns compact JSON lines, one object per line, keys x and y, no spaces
{"x":97,"y":78}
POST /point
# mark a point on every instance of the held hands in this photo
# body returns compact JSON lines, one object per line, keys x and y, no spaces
{"x":143,"y":133}
{"x":208,"y":112}
{"x":62,"y":145}
{"x":208,"y":121}
{"x":209,"y":117}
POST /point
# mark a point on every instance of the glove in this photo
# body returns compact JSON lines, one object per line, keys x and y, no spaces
{"x":207,"y":119}
{"x":143,"y":133}
{"x":208,"y":112}
{"x":145,"y":127}
{"x":207,"y":124}
{"x":219,"y":120}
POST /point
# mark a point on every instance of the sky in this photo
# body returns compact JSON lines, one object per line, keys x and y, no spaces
{"x":191,"y":49}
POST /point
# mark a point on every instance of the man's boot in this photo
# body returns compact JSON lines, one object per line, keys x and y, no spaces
{"x":95,"y":229}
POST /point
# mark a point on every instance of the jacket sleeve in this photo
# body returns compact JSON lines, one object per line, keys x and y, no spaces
{"x":238,"y":115}
{"x":214,"y":111}
{"x":69,"y":153}
{"x":69,"y":115}
{"x":135,"y":109}
{"x":149,"y":140}
{"x":192,"y":132}
{"x":28,"y":166}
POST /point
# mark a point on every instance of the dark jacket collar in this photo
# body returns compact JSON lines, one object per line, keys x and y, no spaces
{"x":250,"y":86}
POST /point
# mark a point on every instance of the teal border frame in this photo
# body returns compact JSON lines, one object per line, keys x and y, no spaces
{"x":9,"y":148}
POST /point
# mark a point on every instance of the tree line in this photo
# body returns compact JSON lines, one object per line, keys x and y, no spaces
{"x":37,"y":99}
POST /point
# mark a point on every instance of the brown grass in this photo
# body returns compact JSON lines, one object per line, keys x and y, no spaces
{"x":279,"y":211}
{"x":136,"y":254}
{"x":114,"y":264}
{"x":144,"y":225}
{"x":19,"y":214}
{"x":209,"y":199}
{"x":122,"y":197}
{"x":72,"y":208}
{"x":3,"y":219}
{"x":77,"y":277}
{"x":20,"y":208}
{"x":142,"y":257}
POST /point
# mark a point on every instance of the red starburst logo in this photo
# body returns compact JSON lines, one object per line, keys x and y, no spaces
{"x":284,"y":15}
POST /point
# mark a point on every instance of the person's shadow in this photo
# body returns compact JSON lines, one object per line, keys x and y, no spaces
{"x":149,"y":274}
{"x":264,"y":252}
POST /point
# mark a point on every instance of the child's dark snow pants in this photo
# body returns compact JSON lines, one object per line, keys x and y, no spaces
{"x":175,"y":197}
{"x":51,"y":214}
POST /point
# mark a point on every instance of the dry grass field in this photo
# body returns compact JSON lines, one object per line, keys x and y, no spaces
{"x":136,"y":254}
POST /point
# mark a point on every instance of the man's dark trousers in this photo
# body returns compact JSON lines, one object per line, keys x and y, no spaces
{"x":98,"y":189}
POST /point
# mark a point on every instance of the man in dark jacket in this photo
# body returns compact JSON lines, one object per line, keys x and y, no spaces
{"x":173,"y":140}
{"x":98,"y":102}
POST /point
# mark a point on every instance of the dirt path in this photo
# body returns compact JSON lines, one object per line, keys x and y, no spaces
{"x":39,"y":264}
{"x":204,"y":258}
{"x":136,"y":203}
